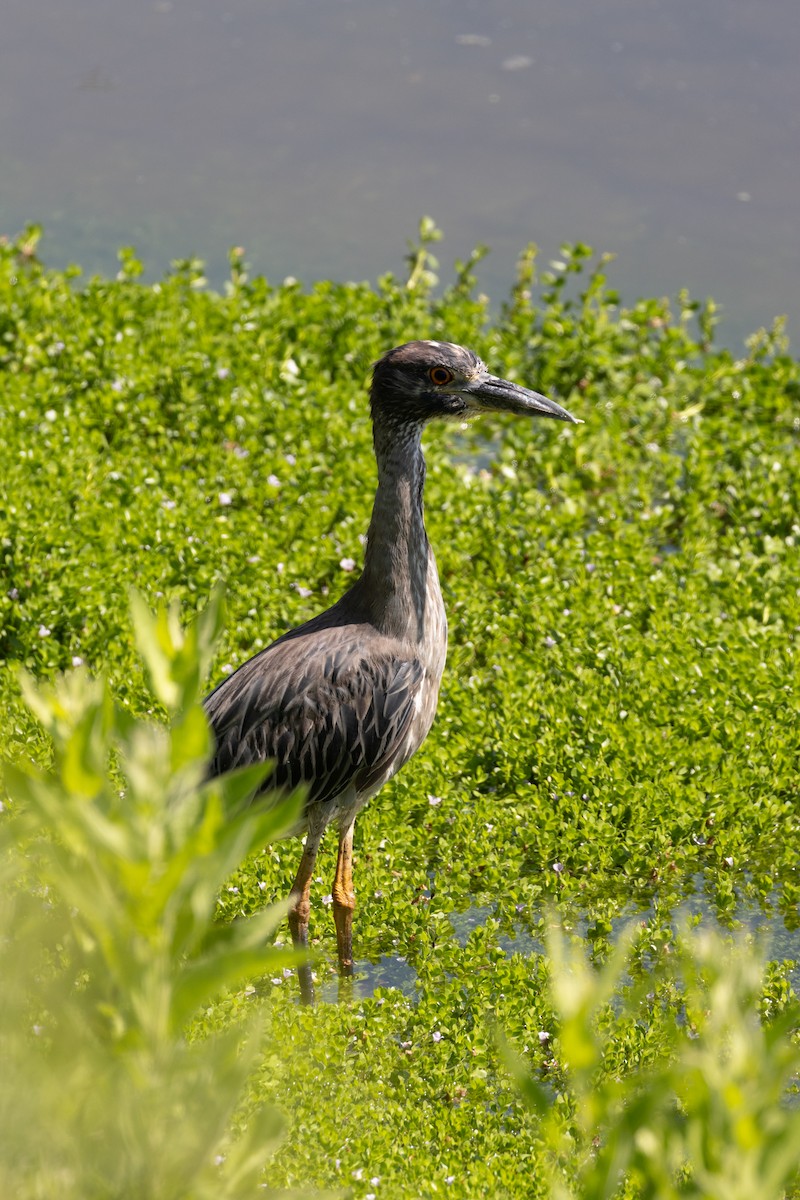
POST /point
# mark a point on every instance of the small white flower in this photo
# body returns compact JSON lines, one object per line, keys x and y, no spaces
{"x":558,"y":867}
{"x":348,"y":564}
{"x":303,"y":592}
{"x":262,"y":885}
{"x":51,"y":415}
{"x":436,"y":1035}
{"x":167,"y":503}
{"x":44,"y":631}
{"x":544,"y":1036}
{"x":225,"y":498}
{"x":434,"y":800}
{"x":223,"y":372}
{"x":550,"y":642}
{"x":273,"y":481}
{"x":235,"y":890}
{"x":327,"y":900}
{"x":77,"y":661}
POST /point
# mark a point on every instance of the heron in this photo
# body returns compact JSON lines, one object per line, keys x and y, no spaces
{"x":338,"y":705}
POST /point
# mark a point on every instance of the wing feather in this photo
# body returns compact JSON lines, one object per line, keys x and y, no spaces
{"x":329,"y":716}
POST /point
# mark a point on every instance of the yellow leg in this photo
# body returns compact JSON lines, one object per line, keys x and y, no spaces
{"x":300,"y":908}
{"x":344,"y":897}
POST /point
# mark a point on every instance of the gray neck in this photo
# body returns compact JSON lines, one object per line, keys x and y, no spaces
{"x":399,"y":564}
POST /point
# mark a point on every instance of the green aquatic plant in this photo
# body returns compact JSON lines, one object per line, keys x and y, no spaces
{"x":112,"y":861}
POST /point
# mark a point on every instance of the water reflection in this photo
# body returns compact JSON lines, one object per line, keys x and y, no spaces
{"x":390,"y":971}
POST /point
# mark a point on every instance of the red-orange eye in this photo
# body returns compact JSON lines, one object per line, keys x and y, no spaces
{"x":440,"y":375}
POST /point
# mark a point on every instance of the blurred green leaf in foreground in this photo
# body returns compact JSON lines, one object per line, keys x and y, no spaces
{"x":707,"y":1116}
{"x":112,"y":861}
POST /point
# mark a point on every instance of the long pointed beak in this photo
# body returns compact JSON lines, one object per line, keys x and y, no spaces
{"x":493,"y":394}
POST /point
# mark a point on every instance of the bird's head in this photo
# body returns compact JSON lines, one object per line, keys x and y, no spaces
{"x":420,"y":381}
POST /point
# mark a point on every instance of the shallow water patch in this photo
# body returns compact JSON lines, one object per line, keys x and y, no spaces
{"x":389,"y":971}
{"x":770,"y":920}
{"x":773,"y":920}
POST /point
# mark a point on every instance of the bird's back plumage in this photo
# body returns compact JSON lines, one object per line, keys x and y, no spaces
{"x":331,"y":714}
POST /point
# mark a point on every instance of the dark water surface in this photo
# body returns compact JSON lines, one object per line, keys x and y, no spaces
{"x":317,"y":132}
